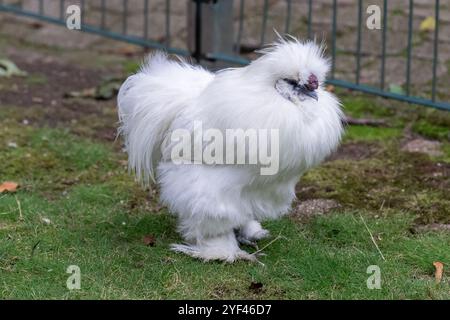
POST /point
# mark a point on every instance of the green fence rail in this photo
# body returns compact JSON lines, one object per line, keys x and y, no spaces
{"x":429,"y":96}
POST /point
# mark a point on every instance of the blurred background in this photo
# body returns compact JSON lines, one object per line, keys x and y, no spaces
{"x":66,"y":197}
{"x":407,"y":54}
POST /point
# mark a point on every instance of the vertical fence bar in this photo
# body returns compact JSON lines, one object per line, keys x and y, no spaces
{"x":333,"y":36}
{"x":409,"y":49}
{"x":82,"y":12}
{"x":167,"y":42}
{"x":383,"y":46}
{"x":358,"y":43}
{"x":240,"y":27}
{"x":125,"y":16}
{"x":103,"y":14}
{"x":61,"y":9}
{"x":309,"y":19}
{"x":197,"y":54}
{"x":264,"y":22}
{"x":145,"y":19}
{"x":41,"y":7}
{"x":288,"y":16}
{"x":218,"y":41}
{"x":435,"y":52}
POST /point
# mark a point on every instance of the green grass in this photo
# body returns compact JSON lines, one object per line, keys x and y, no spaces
{"x":91,"y":228}
{"x":362,"y":133}
{"x":99,"y":216}
{"x":36,"y":79}
{"x":435,"y":131}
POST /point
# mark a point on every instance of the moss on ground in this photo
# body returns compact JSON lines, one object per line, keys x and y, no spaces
{"x":375,"y":174}
{"x":432,"y":130}
{"x":392,"y":179}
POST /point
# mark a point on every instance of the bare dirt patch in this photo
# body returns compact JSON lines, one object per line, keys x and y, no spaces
{"x":431,"y":227}
{"x":313,"y":207}
{"x":355,"y":151}
{"x":40,"y":97}
{"x":421,"y":145}
{"x":388,"y":180}
{"x":47,"y":82}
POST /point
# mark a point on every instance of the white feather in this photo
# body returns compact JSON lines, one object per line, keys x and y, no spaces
{"x":148,"y":103}
{"x":212,"y":201}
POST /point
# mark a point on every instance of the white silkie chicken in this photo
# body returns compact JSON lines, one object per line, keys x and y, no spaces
{"x":219,"y":204}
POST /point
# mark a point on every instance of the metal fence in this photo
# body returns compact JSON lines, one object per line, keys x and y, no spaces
{"x":216,"y":29}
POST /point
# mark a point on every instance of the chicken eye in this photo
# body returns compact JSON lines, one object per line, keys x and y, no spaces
{"x":292,"y":82}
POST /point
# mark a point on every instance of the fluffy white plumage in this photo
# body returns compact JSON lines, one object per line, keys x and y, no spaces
{"x":217,"y":205}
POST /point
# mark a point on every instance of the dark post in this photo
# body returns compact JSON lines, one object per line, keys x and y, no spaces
{"x":210,"y":30}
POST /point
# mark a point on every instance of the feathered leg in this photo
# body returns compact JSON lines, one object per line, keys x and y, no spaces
{"x":221,"y":247}
{"x":210,"y":237}
{"x":251,"y":232}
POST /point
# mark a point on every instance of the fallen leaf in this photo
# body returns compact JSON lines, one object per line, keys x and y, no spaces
{"x":8,"y":186}
{"x":104,"y":91}
{"x":9,"y":69}
{"x":439,"y":266}
{"x":395,"y":88}
{"x":36,"y":25}
{"x":46,"y":221}
{"x":428,"y":24}
{"x":108,"y":90}
{"x":85,"y":93}
{"x":256,"y":287}
{"x":149,"y":240}
{"x":129,"y":50}
{"x":37,"y":99}
{"x":330,"y":88}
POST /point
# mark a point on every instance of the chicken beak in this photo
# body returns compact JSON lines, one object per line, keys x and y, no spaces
{"x":301,"y":89}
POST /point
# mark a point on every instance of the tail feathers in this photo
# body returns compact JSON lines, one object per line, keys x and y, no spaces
{"x":149,"y":101}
